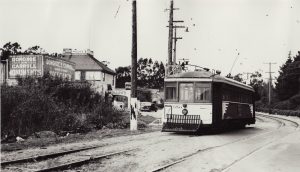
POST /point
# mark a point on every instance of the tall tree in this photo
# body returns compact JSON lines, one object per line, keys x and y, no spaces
{"x":158,"y":75}
{"x":150,"y":74}
{"x":287,"y":83}
{"x":257,"y":83}
{"x":123,"y":75}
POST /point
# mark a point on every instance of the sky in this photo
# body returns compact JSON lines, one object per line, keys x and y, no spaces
{"x":253,"y":32}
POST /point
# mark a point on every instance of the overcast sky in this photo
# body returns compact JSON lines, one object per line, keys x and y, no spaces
{"x":260,"y":30}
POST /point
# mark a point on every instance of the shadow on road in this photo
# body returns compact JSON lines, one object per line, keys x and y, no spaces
{"x":209,"y":131}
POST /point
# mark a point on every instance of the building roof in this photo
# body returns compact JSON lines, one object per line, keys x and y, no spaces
{"x":88,"y":62}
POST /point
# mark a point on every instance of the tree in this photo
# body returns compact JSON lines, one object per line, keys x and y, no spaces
{"x":150,"y":74}
{"x":144,"y":72}
{"x":123,"y":75}
{"x":287,"y":84}
{"x":9,"y":49}
{"x":34,"y":50}
{"x":257,"y":83}
{"x":158,"y":76}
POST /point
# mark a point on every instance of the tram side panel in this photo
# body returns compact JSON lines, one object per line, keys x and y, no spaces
{"x":237,"y":105}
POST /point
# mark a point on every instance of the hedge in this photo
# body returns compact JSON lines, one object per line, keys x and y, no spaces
{"x":280,"y":112}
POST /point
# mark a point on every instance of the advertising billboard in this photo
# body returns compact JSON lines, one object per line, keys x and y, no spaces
{"x":25,"y":65}
{"x":38,"y":65}
{"x":59,"y":67}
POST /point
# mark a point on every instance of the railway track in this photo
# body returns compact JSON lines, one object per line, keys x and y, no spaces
{"x":296,"y":124}
{"x":84,"y":156}
{"x":88,"y":158}
{"x":81,"y":162}
{"x":277,"y":119}
{"x":46,"y":156}
{"x":73,"y":164}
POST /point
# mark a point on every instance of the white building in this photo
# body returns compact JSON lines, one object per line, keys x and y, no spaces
{"x":90,"y":69}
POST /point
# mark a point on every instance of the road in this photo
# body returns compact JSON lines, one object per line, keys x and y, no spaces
{"x":270,"y":145}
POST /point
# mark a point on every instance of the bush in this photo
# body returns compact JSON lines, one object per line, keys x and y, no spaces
{"x":295,"y":100}
{"x":51,"y":103}
{"x":284,"y":105}
{"x":280,"y":112}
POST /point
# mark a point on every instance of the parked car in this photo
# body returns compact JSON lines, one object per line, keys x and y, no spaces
{"x":148,"y":106}
{"x":153,"y":107}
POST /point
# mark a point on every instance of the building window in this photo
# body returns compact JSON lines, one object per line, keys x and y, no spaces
{"x":77,"y":75}
{"x":93,"y":75}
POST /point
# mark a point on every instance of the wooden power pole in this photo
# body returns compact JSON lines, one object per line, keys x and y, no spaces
{"x":133,"y":99}
{"x":170,"y":40}
{"x":175,"y":44}
{"x":134,"y":52}
{"x":270,"y":84}
{"x":172,"y":37}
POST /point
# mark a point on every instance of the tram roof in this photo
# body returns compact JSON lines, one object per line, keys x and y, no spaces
{"x":205,"y":76}
{"x":192,"y":74}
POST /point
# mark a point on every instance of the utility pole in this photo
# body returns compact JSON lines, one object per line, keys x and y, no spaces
{"x":172,"y":37}
{"x":270,"y":84}
{"x":175,"y":38}
{"x":170,"y":40}
{"x":133,"y":99}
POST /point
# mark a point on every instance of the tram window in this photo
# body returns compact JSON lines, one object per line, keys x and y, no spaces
{"x":186,"y":92}
{"x":171,"y":91}
{"x":202,"y":92}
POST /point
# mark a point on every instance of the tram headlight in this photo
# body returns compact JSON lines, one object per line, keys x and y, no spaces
{"x":185,"y":111}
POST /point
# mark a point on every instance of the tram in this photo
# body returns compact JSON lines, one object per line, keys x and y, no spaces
{"x":199,"y":99}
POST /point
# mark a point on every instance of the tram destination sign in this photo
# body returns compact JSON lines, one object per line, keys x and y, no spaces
{"x":25,"y":65}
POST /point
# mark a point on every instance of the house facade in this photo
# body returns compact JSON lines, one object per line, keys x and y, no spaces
{"x":88,"y":68}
